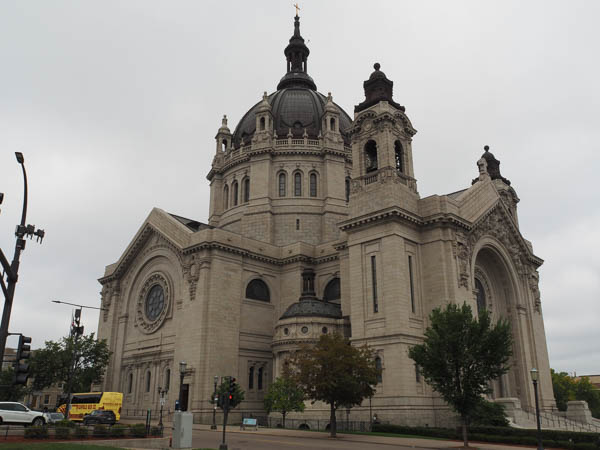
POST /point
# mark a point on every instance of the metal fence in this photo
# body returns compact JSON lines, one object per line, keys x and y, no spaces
{"x":315,"y":424}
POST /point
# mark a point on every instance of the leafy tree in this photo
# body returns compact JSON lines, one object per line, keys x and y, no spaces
{"x":568,"y":388}
{"x":335,"y":372}
{"x":284,"y":396}
{"x":87,"y":359}
{"x":488,"y":414}
{"x":461,"y":354}
{"x":237,"y":396}
{"x":8,"y":391}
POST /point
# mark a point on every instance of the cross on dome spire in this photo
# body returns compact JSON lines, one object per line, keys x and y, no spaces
{"x":296,"y":55}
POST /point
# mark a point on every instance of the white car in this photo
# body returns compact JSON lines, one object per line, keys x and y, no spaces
{"x":17,"y":413}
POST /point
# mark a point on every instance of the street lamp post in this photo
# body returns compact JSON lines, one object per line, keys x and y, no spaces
{"x":182,"y":367}
{"x":12,"y":270}
{"x":214,"y":423}
{"x":161,"y":394}
{"x":75,"y":331}
{"x":534,"y":378}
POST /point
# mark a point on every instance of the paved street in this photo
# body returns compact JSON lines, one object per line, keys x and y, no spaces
{"x":277,"y":439}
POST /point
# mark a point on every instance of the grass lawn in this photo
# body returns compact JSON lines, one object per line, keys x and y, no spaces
{"x":51,"y":446}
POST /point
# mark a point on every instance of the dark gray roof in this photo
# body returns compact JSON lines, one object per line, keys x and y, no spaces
{"x":313,"y":308}
{"x":191,"y":224}
{"x":296,"y":108}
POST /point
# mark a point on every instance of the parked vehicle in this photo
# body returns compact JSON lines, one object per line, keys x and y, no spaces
{"x":18,"y":414}
{"x":53,"y":417}
{"x":105,"y":416}
{"x":84,"y":403}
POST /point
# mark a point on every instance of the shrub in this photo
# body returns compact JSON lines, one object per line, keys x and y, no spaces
{"x":100,"y":431}
{"x":65,"y":423}
{"x":36,"y":432}
{"x":489,"y":413}
{"x":118,"y":430}
{"x":62,"y":432}
{"x":155,"y":431}
{"x":138,"y":430}
{"x":81,"y":432}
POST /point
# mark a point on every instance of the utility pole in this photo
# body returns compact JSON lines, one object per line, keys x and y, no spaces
{"x":75,"y":331}
{"x":11,"y":271}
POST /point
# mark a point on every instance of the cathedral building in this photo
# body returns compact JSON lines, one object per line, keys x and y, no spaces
{"x":316,"y":226}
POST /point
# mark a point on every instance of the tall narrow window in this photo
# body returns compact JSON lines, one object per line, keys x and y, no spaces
{"x":297,"y":184}
{"x":313,"y":184}
{"x":246,"y":190}
{"x":226,"y":197}
{"x":332,"y":124}
{"x":417,"y":374}
{"x":130,"y":384}
{"x":347,"y":189}
{"x":251,"y":378}
{"x":480,"y":296}
{"x":260,"y":378}
{"x":379,"y":369}
{"x":234,"y":193}
{"x":282,"y":184}
{"x":412,"y":286}
{"x":262,"y":124}
{"x":224,"y":145}
{"x":371,"y":156}
{"x":374,"y":284}
{"x":167,"y":379}
{"x":399,"y":157}
{"x":148,"y":376}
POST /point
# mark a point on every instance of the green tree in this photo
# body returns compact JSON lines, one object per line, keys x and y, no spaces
{"x":8,"y":391}
{"x":86,"y":359}
{"x":562,"y":385}
{"x":584,"y":390}
{"x":237,"y":395}
{"x":335,"y":372}
{"x":284,"y":396}
{"x":461,"y":354}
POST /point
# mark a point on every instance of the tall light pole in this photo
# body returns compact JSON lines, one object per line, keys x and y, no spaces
{"x":75,"y":331}
{"x":12,"y":270}
{"x":182,"y":367}
{"x":534,"y":378}
{"x":161,"y":394}
{"x":214,"y":424}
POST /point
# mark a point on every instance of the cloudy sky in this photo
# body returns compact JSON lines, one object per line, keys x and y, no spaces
{"x":115,"y":106}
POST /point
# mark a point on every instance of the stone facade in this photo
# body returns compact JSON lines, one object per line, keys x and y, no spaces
{"x":329,"y":212}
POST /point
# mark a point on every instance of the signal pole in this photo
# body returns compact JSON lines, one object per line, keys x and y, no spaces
{"x":12,"y":270}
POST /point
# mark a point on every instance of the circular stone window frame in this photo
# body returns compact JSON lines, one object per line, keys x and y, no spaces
{"x":144,"y":323}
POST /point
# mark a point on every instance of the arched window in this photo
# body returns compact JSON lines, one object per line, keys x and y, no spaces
{"x":234,"y":193}
{"x":130,"y":383}
{"x":260,"y":378}
{"x":399,"y":157}
{"x":297,"y":184}
{"x":224,"y":145}
{"x":262,"y":124}
{"x":347,"y":189}
{"x":167,"y":378}
{"x":251,"y":378}
{"x":332,"y":124}
{"x":332,"y":290}
{"x":148,"y":377}
{"x":246,"y":185}
{"x":282,"y":181}
{"x":379,"y":368}
{"x":226,"y":197}
{"x":258,"y":290}
{"x":313,"y":184}
{"x":480,"y":296}
{"x":371,"y":156}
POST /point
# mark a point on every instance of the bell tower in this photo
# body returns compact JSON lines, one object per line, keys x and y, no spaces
{"x":382,"y":170}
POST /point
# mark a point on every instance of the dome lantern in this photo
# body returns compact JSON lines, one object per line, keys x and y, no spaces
{"x":296,"y":54}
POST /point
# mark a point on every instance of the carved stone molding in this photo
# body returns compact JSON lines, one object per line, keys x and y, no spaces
{"x":142,"y":321}
{"x":462,"y":253}
{"x":533,"y":280}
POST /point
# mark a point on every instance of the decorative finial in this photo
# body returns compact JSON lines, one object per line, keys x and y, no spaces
{"x":376,"y":66}
{"x":487,"y":148}
{"x":265,"y":96}
{"x":224,"y":121}
{"x":329,"y":97}
{"x":297,"y":9}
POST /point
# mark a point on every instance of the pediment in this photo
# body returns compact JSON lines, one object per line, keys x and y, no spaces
{"x":159,"y":229}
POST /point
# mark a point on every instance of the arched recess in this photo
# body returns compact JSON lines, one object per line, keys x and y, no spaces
{"x":370,"y":155}
{"x":495,"y":285}
{"x":332,"y":292}
{"x":257,"y":289}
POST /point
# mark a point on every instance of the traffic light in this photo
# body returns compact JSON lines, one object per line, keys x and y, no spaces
{"x":76,"y":328}
{"x":23,"y":352}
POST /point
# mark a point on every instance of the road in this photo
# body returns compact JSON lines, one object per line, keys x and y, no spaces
{"x":308,"y":440}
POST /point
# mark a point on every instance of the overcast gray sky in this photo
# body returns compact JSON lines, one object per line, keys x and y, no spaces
{"x":115,"y":105}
